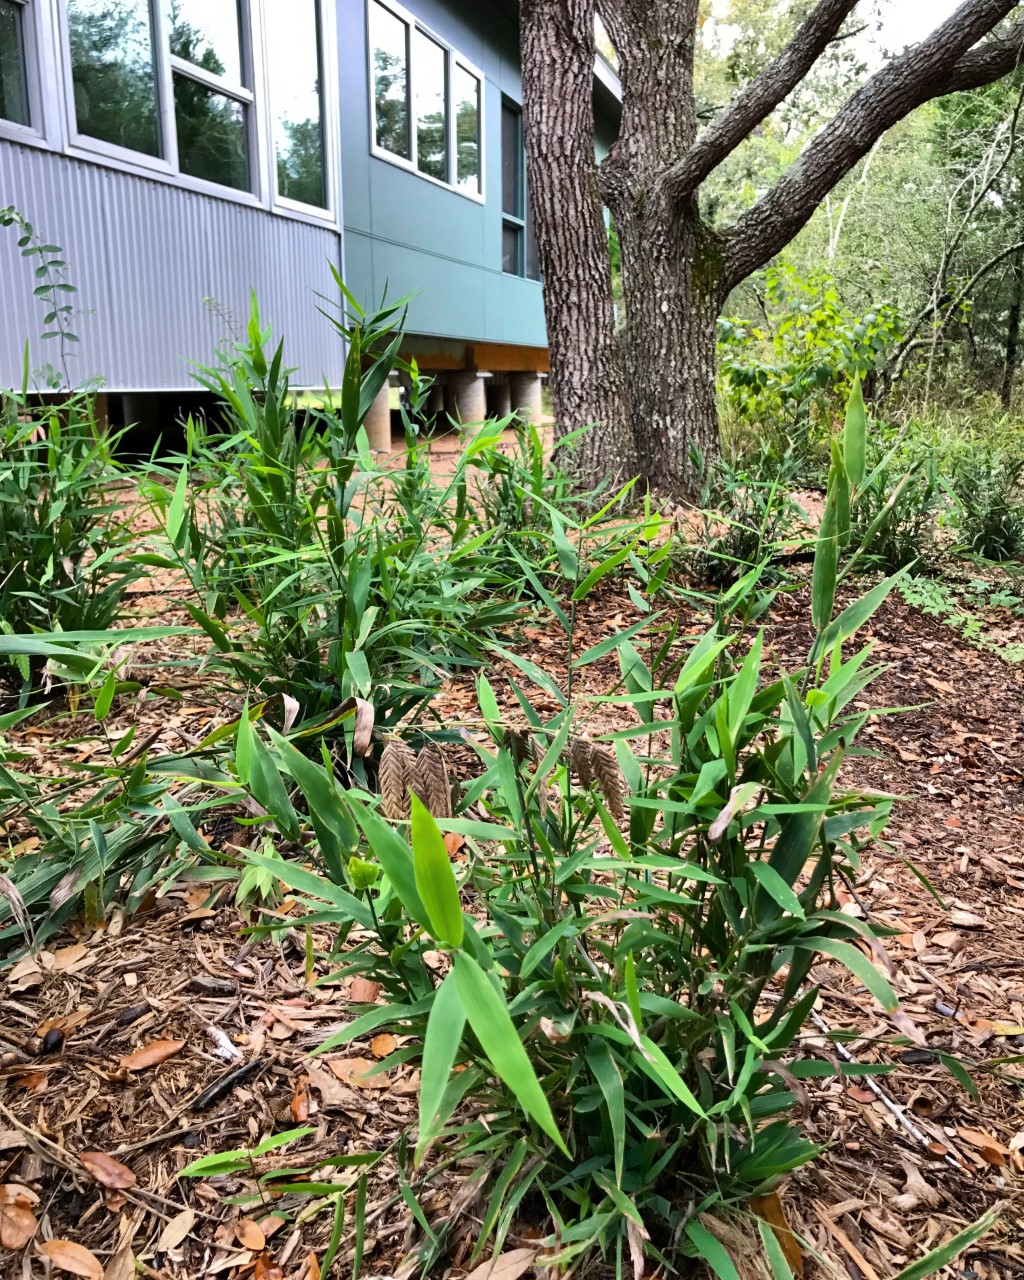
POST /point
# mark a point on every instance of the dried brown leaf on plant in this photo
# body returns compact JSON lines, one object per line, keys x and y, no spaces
{"x":107,"y":1171}
{"x":150,"y":1055}
{"x":75,"y":1258}
{"x":432,"y":783}
{"x":397,"y":776}
{"x":771,"y":1210}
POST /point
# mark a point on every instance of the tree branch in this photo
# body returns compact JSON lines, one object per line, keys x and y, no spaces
{"x":941,"y":64}
{"x":759,"y":99}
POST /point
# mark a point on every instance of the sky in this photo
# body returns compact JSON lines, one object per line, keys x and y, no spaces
{"x":907,"y":21}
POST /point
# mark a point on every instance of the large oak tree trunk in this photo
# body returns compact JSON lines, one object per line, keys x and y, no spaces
{"x":586,"y":358}
{"x":651,"y":395}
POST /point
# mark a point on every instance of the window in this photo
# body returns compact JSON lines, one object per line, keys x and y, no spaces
{"x":426,"y":102}
{"x":519,"y":255}
{"x":210,"y":101}
{"x":173,"y":80}
{"x":466,"y":96}
{"x":13,"y":80}
{"x":294,"y":37}
{"x":113,"y":69}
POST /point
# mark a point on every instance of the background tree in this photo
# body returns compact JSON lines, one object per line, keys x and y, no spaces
{"x":652,"y":395}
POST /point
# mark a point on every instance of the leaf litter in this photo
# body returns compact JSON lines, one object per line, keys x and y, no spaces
{"x":136,"y":1005}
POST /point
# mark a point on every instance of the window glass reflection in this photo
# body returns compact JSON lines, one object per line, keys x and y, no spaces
{"x":293,"y":37}
{"x":212,"y":135}
{"x":466,"y":97}
{"x":13,"y":86}
{"x":207,"y":33}
{"x":389,"y":42}
{"x":112,"y":68}
{"x":429,"y":63}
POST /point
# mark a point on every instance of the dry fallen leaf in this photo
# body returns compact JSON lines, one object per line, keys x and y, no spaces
{"x":107,"y":1171}
{"x":250,"y":1235}
{"x":312,"y":1267}
{"x":382,"y":1045}
{"x":363,"y":991}
{"x":990,"y":1149}
{"x":355,"y":1071}
{"x":267,"y":1269}
{"x":176,"y":1230}
{"x":17,"y":1224}
{"x":76,"y":1258}
{"x":300,"y":1100}
{"x":509,"y":1266}
{"x":150,"y":1055}
{"x":271,"y":1225}
{"x":69,"y":957}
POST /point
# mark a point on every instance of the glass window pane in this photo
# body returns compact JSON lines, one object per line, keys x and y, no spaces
{"x":389,"y":43}
{"x":13,"y":87}
{"x":293,"y":36}
{"x":429,"y":64}
{"x":212,"y":136}
{"x":511,"y":237}
{"x":112,"y":69}
{"x":511,"y":162}
{"x":208,"y":33}
{"x":466,"y":97}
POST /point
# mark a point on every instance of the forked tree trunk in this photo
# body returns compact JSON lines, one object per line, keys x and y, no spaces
{"x":648,"y":398}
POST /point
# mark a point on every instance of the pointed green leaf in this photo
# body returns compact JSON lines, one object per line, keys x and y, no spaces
{"x":441,"y":1044}
{"x":494,"y":1028}
{"x":435,"y":879}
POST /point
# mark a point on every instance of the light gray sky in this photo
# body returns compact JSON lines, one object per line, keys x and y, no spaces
{"x":907,"y":21}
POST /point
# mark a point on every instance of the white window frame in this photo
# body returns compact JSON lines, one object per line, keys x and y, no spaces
{"x":452,"y":56}
{"x":330,"y":114}
{"x":32,"y":45}
{"x":53,"y":128}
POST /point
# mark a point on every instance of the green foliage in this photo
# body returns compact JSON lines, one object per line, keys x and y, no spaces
{"x":601,"y":981}
{"x":353,"y":580}
{"x":795,"y":367}
{"x":52,"y":288}
{"x":894,"y":522}
{"x":743,"y":518}
{"x":986,"y":483}
{"x":60,"y":526}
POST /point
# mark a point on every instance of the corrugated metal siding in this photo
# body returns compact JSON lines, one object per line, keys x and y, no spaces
{"x":162,"y":275}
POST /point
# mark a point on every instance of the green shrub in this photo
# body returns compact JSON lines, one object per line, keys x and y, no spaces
{"x":61,"y":527}
{"x":621,"y":994}
{"x":990,"y":517}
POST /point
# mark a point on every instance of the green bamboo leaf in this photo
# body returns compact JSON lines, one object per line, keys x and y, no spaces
{"x":826,"y":558}
{"x":855,"y":435}
{"x":948,"y":1252}
{"x":609,"y":1078}
{"x":774,"y":885}
{"x":395,"y":856}
{"x":855,"y":615}
{"x":494,"y":1028}
{"x":335,"y":829}
{"x":711,"y":1250}
{"x":774,"y":1252}
{"x":858,"y":964}
{"x":176,"y":511}
{"x":435,"y":879}
{"x":441,"y":1044}
{"x":658,"y":1065}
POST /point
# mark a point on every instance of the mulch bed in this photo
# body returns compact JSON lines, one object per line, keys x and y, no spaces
{"x":149,"y":1018}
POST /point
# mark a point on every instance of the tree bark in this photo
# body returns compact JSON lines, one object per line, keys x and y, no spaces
{"x":587,"y":383}
{"x":1013,"y":329}
{"x":651,"y":396}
